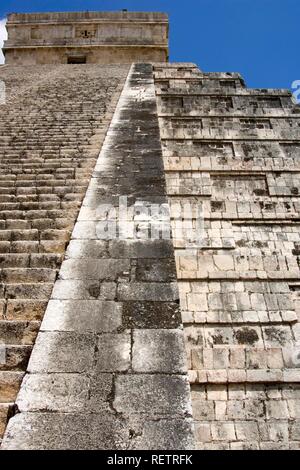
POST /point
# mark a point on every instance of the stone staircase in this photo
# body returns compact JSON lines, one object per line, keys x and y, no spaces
{"x":230,"y":152}
{"x":108,"y":368}
{"x":51,"y":127}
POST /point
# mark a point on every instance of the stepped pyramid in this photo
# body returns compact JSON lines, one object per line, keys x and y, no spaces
{"x":149,"y":244}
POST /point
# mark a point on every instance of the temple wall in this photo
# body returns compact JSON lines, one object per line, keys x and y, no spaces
{"x":232,"y":155}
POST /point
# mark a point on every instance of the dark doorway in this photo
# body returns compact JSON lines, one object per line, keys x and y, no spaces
{"x":77,"y":60}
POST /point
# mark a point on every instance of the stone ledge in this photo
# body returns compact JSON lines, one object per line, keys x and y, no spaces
{"x":223,"y":376}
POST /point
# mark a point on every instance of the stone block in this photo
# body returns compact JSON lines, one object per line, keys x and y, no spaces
{"x":216,"y":392}
{"x":279,"y":430}
{"x":204,"y":411}
{"x":173,"y":434}
{"x":247,"y":431}
{"x":220,"y":410}
{"x":202,"y":432}
{"x":149,"y":291}
{"x":82,"y":316}
{"x":223,"y":431}
{"x":277,"y":409}
{"x":59,"y":431}
{"x":67,"y":393}
{"x":158,"y":351}
{"x":54,"y":352}
{"x":295,"y":430}
{"x":90,"y":269}
{"x":196,"y":302}
{"x":113,"y":352}
{"x":145,"y":314}
{"x":83,"y":290}
{"x":197,"y":358}
{"x":154,"y":395}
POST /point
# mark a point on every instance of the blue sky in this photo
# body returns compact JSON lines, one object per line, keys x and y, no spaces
{"x":258,"y":38}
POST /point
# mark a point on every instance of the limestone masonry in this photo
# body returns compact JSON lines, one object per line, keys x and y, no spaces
{"x":52,"y":128}
{"x":236,"y":152}
{"x":86,"y":37}
{"x":138,"y":342}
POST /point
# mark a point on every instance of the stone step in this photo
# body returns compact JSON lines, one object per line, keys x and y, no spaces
{"x":18,"y":332}
{"x":16,"y":358}
{"x":24,"y":310}
{"x":27,"y":275}
{"x":44,"y":260}
{"x":13,"y":235}
{"x":38,"y":291}
{"x":39,"y":224}
{"x":5,"y":411}
{"x":37,"y":214}
{"x":9,"y":385}
{"x":44,"y":246}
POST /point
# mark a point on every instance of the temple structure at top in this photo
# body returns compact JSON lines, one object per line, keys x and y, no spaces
{"x":86,"y":37}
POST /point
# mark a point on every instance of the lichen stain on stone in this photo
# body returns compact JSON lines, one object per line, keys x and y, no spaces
{"x":274,"y":334}
{"x":246,"y":336}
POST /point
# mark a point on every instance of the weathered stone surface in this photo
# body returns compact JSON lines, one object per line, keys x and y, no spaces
{"x":13,"y":333}
{"x":16,"y":357}
{"x":87,"y":249}
{"x":59,"y":431}
{"x":175,"y":434}
{"x":158,"y":351}
{"x":109,"y":432}
{"x":155,"y":270}
{"x":4,"y":414}
{"x":150,"y":291}
{"x":144,"y":314}
{"x":87,"y":366}
{"x":9,"y":385}
{"x":111,"y":37}
{"x":53,"y":125}
{"x":232,"y":155}
{"x":25,"y":309}
{"x":82,"y":316}
{"x":84,"y":290}
{"x":66,"y":393}
{"x":113,"y":352}
{"x":141,"y":249}
{"x":94,"y":269}
{"x":152,"y":394}
{"x":55,"y":352}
